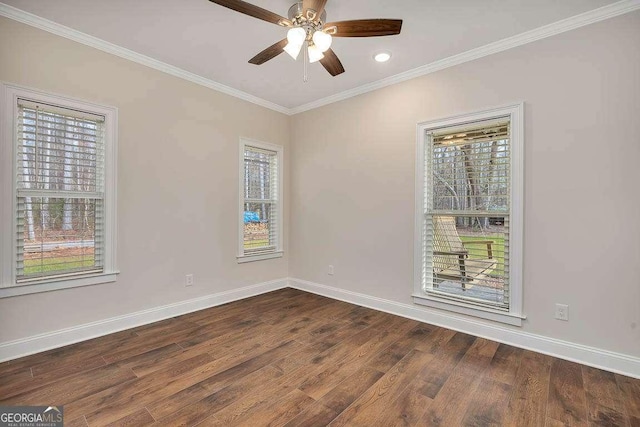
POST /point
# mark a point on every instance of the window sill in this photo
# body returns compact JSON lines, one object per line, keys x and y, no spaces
{"x":468,"y":309}
{"x":250,"y":258}
{"x":54,"y":285}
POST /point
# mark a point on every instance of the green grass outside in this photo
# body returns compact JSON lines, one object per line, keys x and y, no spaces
{"x":480,"y":250}
{"x":251,"y":244}
{"x":36,"y":266}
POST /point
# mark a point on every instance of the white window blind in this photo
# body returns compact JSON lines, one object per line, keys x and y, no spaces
{"x":60,"y":160}
{"x":261,"y":207}
{"x":467,"y":213}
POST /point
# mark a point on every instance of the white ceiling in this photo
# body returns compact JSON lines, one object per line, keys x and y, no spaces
{"x":214,"y":42}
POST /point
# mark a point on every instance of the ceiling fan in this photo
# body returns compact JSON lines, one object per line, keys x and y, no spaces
{"x":307,"y":25}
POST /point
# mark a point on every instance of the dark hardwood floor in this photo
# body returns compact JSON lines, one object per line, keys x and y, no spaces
{"x":293,"y":358}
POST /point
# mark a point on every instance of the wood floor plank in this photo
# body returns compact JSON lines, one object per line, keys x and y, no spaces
{"x":37,"y":377}
{"x":151,"y":361}
{"x":445,"y":360}
{"x":294,"y":358}
{"x":215,"y":328}
{"x":409,"y":407}
{"x":176,"y":411}
{"x":436,"y":340}
{"x":314,"y":415}
{"x":220,"y":379}
{"x":135,"y":397}
{"x":505,"y":363}
{"x":279,"y":412}
{"x":59,"y":357}
{"x":78,"y":422}
{"x":256,"y":399}
{"x":488,"y":403}
{"x":605,"y":400}
{"x":180,"y":373}
{"x":630,"y":390}
{"x":141,"y":345}
{"x":350,"y":389}
{"x":47,"y":375}
{"x":334,"y":374}
{"x":528,"y":402}
{"x":396,"y":351}
{"x":332,"y":310}
{"x":454,"y":397}
{"x":347,"y":332}
{"x":15,"y":382}
{"x":140,"y":418}
{"x":73,"y":387}
{"x":276,"y":312}
{"x":374,"y":402}
{"x":567,"y":401}
{"x":169,"y":326}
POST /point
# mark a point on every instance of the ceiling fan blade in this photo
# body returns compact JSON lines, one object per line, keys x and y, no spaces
{"x":269,"y":53}
{"x":365,"y":27}
{"x":255,"y":11}
{"x":331,"y":63}
{"x":317,"y":5}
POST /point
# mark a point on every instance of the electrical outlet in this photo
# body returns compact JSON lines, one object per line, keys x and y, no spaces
{"x":330,"y":272}
{"x":562,"y":312}
{"x":188,"y":281}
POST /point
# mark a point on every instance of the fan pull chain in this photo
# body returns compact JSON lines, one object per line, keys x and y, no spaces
{"x":306,"y":61}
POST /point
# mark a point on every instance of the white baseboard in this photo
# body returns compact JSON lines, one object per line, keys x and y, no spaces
{"x":598,"y":358}
{"x":47,"y":341}
{"x":603,"y":359}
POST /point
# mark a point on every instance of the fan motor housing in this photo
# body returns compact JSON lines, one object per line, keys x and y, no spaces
{"x":296,"y":13}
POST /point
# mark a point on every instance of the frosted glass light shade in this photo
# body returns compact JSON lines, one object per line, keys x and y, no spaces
{"x":296,"y":36}
{"x":315,"y":54}
{"x":322,"y":40}
{"x":293,"y":49}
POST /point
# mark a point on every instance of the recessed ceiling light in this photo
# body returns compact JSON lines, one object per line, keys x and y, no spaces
{"x":382,"y":56}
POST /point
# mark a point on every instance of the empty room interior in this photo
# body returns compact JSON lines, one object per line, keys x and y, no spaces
{"x":329,"y":212}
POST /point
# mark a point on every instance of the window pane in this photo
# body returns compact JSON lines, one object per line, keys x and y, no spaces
{"x":470,"y":175}
{"x":469,"y":257}
{"x":58,"y":236}
{"x":260,"y":230}
{"x":258,"y":174}
{"x":58,"y":152}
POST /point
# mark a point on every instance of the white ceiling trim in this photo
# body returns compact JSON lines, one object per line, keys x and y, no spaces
{"x":593,"y":16}
{"x":105,"y":46}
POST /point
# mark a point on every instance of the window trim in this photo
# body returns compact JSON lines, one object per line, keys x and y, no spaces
{"x":278,"y":251}
{"x":9,"y":94}
{"x":514,"y":316}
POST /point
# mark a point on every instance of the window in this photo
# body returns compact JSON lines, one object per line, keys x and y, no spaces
{"x":260,"y":201}
{"x":58,"y":192}
{"x":469,"y":217}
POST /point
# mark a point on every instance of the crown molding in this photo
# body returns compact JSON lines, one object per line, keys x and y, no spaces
{"x":568,"y":24}
{"x":105,"y":46}
{"x":577,"y":21}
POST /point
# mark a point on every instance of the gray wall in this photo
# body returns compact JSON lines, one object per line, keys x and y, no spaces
{"x":352,"y":180}
{"x":178,"y":181}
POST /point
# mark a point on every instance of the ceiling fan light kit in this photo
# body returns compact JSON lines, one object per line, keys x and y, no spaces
{"x":322,"y":40}
{"x":295,"y":37}
{"x":307,"y":26}
{"x":315,"y":54}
